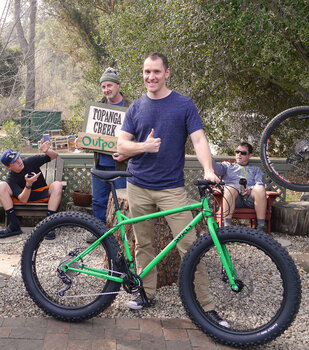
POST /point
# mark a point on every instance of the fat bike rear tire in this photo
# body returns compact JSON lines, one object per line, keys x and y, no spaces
{"x":42,"y":259}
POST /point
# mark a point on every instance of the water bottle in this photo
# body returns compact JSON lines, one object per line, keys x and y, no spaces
{"x":242,"y":185}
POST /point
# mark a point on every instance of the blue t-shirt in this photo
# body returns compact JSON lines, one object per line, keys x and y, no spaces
{"x":173,"y":118}
{"x":105,"y":159}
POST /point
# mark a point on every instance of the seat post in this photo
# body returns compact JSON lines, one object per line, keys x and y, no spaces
{"x":114,"y":194}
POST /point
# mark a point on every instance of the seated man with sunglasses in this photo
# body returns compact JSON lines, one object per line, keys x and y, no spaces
{"x":252,"y":195}
{"x":26,"y":184}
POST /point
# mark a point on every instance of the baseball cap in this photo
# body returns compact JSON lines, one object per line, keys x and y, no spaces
{"x":9,"y":156}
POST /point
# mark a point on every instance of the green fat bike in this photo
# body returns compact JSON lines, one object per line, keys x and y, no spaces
{"x":253,"y":281}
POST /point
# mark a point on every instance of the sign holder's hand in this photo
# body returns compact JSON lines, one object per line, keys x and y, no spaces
{"x":119,"y":157}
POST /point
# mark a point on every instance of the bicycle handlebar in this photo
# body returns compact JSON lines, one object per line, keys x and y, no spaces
{"x":204,"y":185}
{"x":207,"y":183}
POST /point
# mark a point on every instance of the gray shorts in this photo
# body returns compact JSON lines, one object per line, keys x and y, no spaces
{"x":244,"y":202}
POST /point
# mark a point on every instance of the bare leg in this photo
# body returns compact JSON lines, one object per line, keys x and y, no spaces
{"x":55,"y":193}
{"x":258,"y":193}
{"x":230,"y":195}
{"x":6,"y":196}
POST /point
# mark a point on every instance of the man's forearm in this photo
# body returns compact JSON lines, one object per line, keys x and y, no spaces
{"x":203,"y":152}
{"x":52,"y":154}
{"x":130,"y":148}
{"x":25,"y":194}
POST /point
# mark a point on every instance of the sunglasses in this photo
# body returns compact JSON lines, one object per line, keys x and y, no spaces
{"x":243,"y":153}
{"x":12,"y":156}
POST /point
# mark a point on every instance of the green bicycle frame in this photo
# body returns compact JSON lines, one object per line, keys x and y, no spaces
{"x":124,"y":220}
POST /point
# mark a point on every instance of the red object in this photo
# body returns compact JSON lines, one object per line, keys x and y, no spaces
{"x":244,"y":213}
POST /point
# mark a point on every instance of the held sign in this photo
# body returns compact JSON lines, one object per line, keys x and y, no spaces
{"x":97,"y":142}
{"x":101,"y":127}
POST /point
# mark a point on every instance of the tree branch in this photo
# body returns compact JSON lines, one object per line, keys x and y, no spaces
{"x":283,"y":84}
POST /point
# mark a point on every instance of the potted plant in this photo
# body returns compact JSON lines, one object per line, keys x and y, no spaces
{"x":82,"y":195}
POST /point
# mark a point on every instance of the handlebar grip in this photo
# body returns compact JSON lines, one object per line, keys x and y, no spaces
{"x":206,"y":183}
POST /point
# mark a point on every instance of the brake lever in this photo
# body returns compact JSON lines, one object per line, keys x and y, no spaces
{"x":220,"y":186}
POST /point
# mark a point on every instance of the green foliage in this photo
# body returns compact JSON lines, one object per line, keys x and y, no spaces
{"x":13,"y":138}
{"x":10,"y":61}
{"x":80,"y":20}
{"x":242,"y":62}
{"x":73,"y":125}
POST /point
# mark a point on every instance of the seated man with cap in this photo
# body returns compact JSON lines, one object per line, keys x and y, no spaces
{"x":26,"y":184}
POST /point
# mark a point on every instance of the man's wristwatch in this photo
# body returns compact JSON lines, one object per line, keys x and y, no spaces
{"x":28,"y":187}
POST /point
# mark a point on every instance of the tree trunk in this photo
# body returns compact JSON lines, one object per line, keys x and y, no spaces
{"x":28,"y":49}
{"x":291,"y":218}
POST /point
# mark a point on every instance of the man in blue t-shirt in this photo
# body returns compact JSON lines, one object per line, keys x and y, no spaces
{"x":159,"y":123}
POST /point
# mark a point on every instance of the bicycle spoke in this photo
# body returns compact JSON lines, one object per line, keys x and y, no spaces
{"x":51,"y":254}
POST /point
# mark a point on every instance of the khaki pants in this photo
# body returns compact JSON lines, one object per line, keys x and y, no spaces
{"x":143,"y":201}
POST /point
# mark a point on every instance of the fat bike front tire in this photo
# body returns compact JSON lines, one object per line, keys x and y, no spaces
{"x":266,"y":305}
{"x":42,"y":260}
{"x":287,"y":137}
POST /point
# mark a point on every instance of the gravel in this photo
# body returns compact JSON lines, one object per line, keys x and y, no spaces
{"x":15,"y":302}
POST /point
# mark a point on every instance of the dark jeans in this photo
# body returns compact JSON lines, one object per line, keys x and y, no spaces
{"x":101,"y":191}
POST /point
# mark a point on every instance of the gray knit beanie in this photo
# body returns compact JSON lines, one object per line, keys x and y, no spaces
{"x":110,"y":74}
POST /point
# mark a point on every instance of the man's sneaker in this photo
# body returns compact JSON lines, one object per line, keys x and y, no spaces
{"x":51,"y":235}
{"x":214,"y":315}
{"x":137,"y":303}
{"x":10,"y":232}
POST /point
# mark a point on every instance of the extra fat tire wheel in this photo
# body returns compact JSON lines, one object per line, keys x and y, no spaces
{"x":42,"y":258}
{"x":287,"y":137}
{"x":266,"y":305}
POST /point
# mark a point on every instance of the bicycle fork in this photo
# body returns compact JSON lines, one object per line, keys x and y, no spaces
{"x":227,"y":264}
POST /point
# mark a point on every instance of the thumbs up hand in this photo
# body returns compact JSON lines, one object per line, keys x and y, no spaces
{"x":152,"y":144}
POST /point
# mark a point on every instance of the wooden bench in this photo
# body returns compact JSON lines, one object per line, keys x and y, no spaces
{"x":52,"y":171}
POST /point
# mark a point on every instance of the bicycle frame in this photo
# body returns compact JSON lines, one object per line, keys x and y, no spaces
{"x":124,"y":220}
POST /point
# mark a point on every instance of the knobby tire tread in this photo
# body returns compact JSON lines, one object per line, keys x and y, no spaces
{"x":271,"y":126}
{"x":51,"y":222}
{"x":270,"y":245}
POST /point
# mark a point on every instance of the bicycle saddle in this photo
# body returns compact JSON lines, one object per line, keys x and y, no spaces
{"x":109,"y":175}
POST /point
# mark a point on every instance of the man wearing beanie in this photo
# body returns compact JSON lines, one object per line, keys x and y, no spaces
{"x":26,"y":184}
{"x":110,"y":85}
